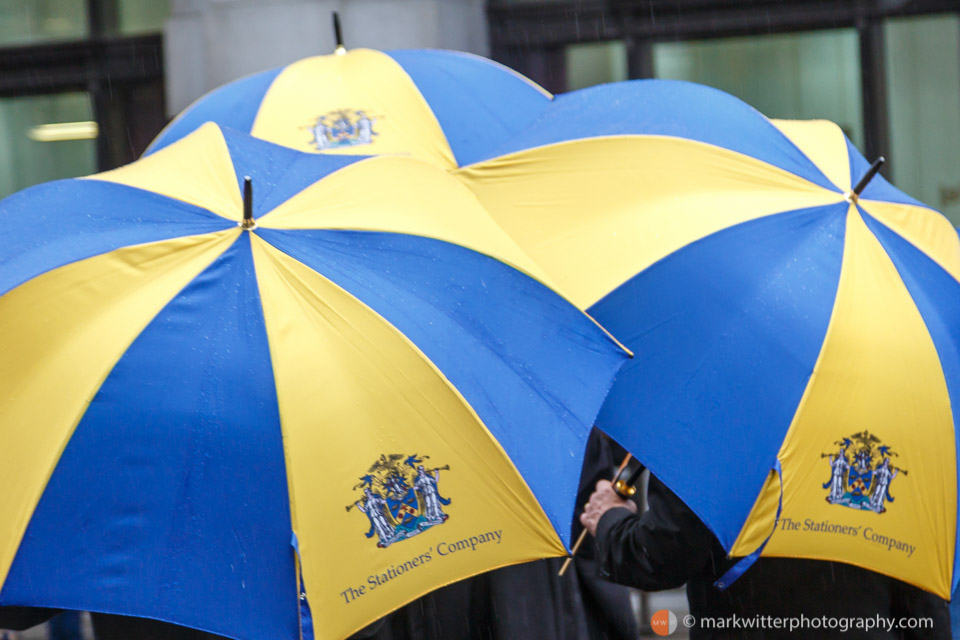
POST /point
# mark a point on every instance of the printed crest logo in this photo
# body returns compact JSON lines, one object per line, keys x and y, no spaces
{"x":861,"y":473}
{"x":401,"y":498}
{"x":343,"y":128}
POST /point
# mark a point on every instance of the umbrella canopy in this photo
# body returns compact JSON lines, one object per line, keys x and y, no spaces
{"x":779,"y":319}
{"x":445,"y":107}
{"x":354,"y":370}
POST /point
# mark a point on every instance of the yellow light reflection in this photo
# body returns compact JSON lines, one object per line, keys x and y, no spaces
{"x":61,"y":131}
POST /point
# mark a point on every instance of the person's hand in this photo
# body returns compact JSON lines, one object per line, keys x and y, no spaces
{"x":602,"y":500}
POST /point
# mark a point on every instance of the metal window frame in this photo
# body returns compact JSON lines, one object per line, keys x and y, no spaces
{"x":532,"y":37}
{"x":112,"y":69}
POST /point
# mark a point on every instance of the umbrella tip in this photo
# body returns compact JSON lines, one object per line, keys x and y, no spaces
{"x":338,"y":35}
{"x":853,"y":196}
{"x":248,"y":222}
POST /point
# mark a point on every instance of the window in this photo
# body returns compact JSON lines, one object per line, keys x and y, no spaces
{"x":794,"y":76}
{"x":142,"y":16}
{"x":42,"y":21}
{"x":27,"y":158}
{"x":95,"y":66}
{"x":595,"y":63}
{"x":923,"y":93}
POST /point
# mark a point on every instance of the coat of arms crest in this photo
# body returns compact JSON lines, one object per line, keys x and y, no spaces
{"x":400,"y":498}
{"x":861,"y":473}
{"x":343,"y":128}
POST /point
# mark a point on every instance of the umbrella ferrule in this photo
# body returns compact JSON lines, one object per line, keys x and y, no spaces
{"x":853,"y":196}
{"x":867,"y":177}
{"x":248,"y":222}
{"x":338,"y":35}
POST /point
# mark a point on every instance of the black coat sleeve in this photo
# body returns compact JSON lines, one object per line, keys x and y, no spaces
{"x":660,"y":549}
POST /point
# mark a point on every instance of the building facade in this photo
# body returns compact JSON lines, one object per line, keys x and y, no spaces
{"x":887,"y":71}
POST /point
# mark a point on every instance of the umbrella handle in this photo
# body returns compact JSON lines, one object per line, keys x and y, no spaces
{"x":627,"y":488}
{"x":583,"y":533}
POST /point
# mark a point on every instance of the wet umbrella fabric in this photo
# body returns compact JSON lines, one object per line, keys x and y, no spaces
{"x":183,"y":397}
{"x":779,"y":322}
{"x":445,"y":107}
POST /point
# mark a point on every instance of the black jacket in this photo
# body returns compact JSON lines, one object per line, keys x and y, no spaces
{"x":668,"y":546}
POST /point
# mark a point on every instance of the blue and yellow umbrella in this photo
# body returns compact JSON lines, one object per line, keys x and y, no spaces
{"x":798,"y":343}
{"x":446,"y":107}
{"x":351,"y":368}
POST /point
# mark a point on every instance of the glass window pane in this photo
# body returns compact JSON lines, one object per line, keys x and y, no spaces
{"x":142,"y":16}
{"x":794,"y":76}
{"x":595,"y":63}
{"x":25,"y":161}
{"x":923,"y":84}
{"x":25,"y":22}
